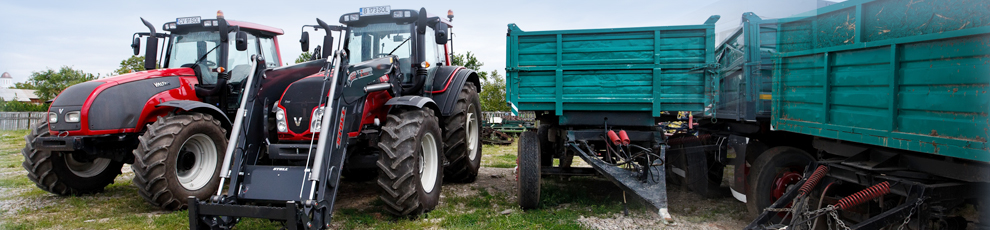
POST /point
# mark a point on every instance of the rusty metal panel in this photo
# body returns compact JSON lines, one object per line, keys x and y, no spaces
{"x":895,"y":73}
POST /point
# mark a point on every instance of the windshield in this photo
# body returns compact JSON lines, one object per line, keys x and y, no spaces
{"x":187,"y":48}
{"x":379,"y":39}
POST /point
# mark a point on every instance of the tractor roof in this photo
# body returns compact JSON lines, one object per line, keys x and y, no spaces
{"x":255,"y":26}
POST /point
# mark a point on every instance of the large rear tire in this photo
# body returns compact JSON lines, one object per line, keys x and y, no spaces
{"x":410,"y":165}
{"x":177,"y":157}
{"x":462,"y":136}
{"x":774,"y":169}
{"x":528,"y":170}
{"x":63,"y":174}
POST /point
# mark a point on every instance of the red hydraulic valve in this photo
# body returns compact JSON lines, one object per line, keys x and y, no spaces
{"x":615,"y":138}
{"x":624,"y":137}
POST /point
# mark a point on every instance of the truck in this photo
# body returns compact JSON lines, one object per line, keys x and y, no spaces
{"x":864,"y":114}
{"x":599,"y":94}
{"x":169,"y":123}
{"x":386,"y":99}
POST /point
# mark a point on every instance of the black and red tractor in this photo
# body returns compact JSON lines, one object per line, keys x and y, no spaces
{"x":387,"y":105}
{"x":169,"y":123}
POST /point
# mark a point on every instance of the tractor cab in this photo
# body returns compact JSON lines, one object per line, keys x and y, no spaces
{"x":378,"y":32}
{"x":205,"y":46}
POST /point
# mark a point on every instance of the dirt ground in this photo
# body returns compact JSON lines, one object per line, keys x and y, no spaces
{"x":690,"y":211}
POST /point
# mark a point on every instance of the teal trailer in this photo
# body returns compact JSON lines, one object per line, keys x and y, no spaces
{"x":599,"y":94}
{"x":891,"y":97}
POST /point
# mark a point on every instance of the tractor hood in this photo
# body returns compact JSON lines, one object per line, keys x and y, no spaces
{"x":116,"y":102}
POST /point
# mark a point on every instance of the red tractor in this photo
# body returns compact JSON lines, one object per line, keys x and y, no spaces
{"x":170,"y":124}
{"x":387,"y":104}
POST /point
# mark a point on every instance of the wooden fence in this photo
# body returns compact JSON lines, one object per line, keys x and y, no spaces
{"x":20,"y":120}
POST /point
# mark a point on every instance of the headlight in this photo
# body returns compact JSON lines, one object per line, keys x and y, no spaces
{"x":281,"y":127}
{"x":52,"y":117}
{"x":72,"y":117}
{"x":280,"y":119}
{"x":316,"y":120}
{"x":280,"y":114}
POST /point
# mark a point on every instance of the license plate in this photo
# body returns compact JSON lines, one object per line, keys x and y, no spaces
{"x":187,"y":20}
{"x":375,"y":10}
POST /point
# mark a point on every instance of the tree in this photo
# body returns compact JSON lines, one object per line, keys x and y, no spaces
{"x":23,"y":85}
{"x":493,"y":93}
{"x":132,"y":64}
{"x":468,"y":60}
{"x":304,"y":57}
{"x":50,"y":83}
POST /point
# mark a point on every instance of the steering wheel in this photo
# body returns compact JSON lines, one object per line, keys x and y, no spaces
{"x":210,"y":64}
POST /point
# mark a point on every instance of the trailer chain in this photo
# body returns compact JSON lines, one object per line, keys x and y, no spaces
{"x":835,"y":214}
{"x":911,"y":213}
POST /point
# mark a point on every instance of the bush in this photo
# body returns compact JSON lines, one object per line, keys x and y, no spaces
{"x":17,"y":106}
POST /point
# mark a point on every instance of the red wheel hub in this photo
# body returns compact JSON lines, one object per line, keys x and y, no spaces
{"x":780,"y":183}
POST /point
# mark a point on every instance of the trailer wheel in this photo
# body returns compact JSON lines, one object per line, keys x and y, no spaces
{"x":773,"y":172}
{"x":62,"y":174}
{"x":690,"y":166}
{"x":462,"y":136}
{"x":409,"y":166}
{"x":177,"y":157}
{"x":528,"y":170}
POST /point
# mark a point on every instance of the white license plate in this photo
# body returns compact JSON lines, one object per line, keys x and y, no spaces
{"x":375,"y":10}
{"x":187,"y":20}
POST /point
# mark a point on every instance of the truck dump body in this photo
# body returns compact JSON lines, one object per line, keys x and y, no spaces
{"x":648,"y":69}
{"x":894,"y":73}
{"x":746,"y":62}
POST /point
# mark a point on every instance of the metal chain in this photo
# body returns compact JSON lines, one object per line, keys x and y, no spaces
{"x":778,"y":209}
{"x":835,"y":214}
{"x":911,"y":213}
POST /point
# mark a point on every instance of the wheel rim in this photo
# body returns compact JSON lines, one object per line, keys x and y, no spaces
{"x":428,"y":163}
{"x":86,"y":169}
{"x":472,"y":132}
{"x":780,"y":185}
{"x":196,"y":162}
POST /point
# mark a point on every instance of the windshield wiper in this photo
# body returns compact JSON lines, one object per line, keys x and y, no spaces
{"x":207,"y":53}
{"x":400,"y":45}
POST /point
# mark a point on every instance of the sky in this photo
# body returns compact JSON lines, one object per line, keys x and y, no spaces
{"x":95,"y":36}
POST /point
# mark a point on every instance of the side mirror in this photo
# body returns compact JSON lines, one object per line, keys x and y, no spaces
{"x":441,"y":33}
{"x":240,"y":40}
{"x":421,"y":22}
{"x":136,"y":45}
{"x":304,"y":41}
{"x":150,"y":52}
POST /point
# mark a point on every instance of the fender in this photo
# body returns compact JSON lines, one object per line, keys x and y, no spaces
{"x":414,"y":101}
{"x":448,"y":82}
{"x":201,"y":107}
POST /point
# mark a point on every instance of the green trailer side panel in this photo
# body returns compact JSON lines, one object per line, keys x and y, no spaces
{"x":914,"y":80}
{"x":650,"y":69}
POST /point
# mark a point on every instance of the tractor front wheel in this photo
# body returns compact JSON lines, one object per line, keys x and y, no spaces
{"x":177,"y":157}
{"x":462,"y":136}
{"x":62,"y":173}
{"x":410,"y":165}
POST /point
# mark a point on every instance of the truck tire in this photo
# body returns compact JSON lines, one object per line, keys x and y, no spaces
{"x":528,"y":170}
{"x":177,"y":157}
{"x":462,"y":136}
{"x":694,"y":163}
{"x":62,"y":174}
{"x":777,"y":163}
{"x":410,"y":165}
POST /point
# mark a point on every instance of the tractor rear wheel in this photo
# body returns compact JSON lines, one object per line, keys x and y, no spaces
{"x":462,"y":136}
{"x":177,"y":157}
{"x":410,"y":165}
{"x":63,"y":174}
{"x":528,"y":170}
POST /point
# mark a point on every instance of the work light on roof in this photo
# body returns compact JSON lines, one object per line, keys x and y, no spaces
{"x":219,"y":13}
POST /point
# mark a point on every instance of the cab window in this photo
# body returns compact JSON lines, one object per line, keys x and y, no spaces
{"x":269,"y":51}
{"x":239,"y":62}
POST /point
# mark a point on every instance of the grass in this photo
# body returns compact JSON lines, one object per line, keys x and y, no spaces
{"x":565,"y":200}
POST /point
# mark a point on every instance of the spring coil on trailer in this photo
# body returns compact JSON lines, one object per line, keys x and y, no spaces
{"x":863,"y":196}
{"x":813,"y":180}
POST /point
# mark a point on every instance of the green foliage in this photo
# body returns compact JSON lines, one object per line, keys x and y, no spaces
{"x":493,"y":93}
{"x":17,"y":106}
{"x":132,"y":64}
{"x":49,"y":83}
{"x":23,"y":85}
{"x":468,"y":60}
{"x":304,"y":57}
